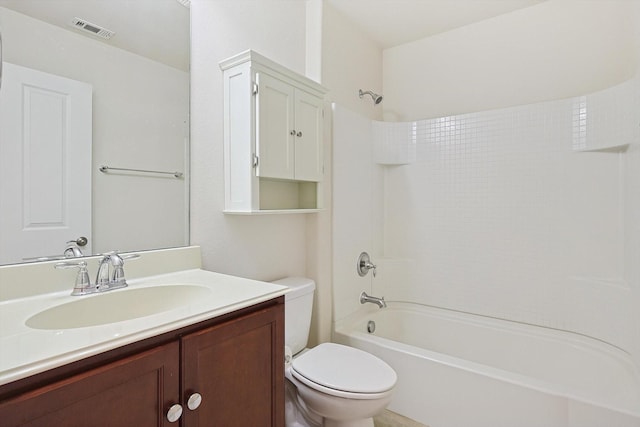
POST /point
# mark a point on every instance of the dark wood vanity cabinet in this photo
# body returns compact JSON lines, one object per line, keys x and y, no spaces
{"x":236,"y":368}
{"x":127,"y":392}
{"x":234,"y":364}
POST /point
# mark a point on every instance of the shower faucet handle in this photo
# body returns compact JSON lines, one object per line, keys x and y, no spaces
{"x":371,"y":266}
{"x":365,"y":264}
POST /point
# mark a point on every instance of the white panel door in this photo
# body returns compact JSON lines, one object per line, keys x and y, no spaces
{"x":45,"y":163}
{"x":274,"y":128}
{"x":308,"y":143}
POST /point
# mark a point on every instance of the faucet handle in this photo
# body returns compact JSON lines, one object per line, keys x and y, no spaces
{"x":111,"y":254}
{"x":116,"y":279}
{"x":117,"y":261}
{"x":83,"y":283}
{"x":371,"y":266}
{"x":364,"y":265}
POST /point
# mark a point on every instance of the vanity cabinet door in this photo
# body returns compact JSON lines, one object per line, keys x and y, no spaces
{"x":133,"y":391}
{"x":238,"y":369}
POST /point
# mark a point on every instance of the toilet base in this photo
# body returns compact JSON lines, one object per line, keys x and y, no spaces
{"x":300,"y":410}
{"x":296,"y":412}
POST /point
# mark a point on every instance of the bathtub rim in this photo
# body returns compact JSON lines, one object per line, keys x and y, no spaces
{"x":345,"y":329}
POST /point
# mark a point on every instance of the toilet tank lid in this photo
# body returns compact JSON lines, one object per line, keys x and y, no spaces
{"x":298,"y":286}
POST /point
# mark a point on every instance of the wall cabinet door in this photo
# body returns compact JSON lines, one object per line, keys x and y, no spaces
{"x":274,"y":128}
{"x":134,"y":391}
{"x":288,"y":131}
{"x":238,"y":370}
{"x":309,"y":162}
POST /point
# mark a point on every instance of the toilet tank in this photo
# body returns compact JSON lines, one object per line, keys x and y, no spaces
{"x":298,"y":305}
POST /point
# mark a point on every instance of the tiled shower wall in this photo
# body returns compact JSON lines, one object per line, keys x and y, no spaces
{"x":529,"y":213}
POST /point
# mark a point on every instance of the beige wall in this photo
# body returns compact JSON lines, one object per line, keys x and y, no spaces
{"x":264,"y":247}
{"x":553,"y":50}
{"x":350,"y":61}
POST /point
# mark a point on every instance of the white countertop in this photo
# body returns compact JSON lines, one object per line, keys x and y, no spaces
{"x":25,"y":351}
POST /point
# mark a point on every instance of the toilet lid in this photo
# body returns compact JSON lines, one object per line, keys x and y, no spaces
{"x":345,"y":368}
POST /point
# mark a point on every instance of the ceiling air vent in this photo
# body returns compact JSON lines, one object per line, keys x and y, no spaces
{"x":94,"y":29}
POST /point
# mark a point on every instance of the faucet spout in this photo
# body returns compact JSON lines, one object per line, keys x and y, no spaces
{"x":102,"y":277}
{"x":380,"y":302}
{"x":111,"y":271}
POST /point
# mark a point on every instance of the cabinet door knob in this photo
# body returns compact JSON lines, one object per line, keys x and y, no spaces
{"x":174,"y":413}
{"x":293,"y":132}
{"x":194,"y":401}
{"x":299,"y":134}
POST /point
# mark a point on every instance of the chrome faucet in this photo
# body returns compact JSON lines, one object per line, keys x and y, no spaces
{"x":104,"y":277}
{"x":72,"y":250}
{"x":110,"y":274}
{"x":380,"y":302}
{"x":111,"y":271}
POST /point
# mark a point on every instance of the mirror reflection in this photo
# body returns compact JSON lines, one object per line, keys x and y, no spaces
{"x":89,"y":84}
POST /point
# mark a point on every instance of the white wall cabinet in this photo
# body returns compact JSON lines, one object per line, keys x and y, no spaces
{"x":273,"y":139}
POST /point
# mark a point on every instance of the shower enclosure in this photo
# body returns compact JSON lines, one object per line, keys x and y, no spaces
{"x":527,"y":215}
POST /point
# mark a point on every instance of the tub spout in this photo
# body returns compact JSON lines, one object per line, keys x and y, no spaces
{"x":380,"y":302}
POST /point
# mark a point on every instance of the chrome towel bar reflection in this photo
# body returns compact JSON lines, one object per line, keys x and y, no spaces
{"x":106,"y":169}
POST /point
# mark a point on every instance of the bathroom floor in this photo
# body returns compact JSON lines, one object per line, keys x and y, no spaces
{"x":391,"y":419}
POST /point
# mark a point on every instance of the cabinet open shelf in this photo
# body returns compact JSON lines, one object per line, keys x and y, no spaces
{"x":284,"y":197}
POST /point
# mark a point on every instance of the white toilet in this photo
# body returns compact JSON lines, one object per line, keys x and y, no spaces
{"x":331,"y":384}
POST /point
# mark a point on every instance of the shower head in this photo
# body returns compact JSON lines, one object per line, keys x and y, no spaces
{"x":377,"y":99}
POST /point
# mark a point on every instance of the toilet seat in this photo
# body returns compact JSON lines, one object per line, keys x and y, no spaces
{"x":344,"y":371}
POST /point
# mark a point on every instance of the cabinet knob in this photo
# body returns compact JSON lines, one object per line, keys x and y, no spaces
{"x":299,"y":134}
{"x":174,"y":413}
{"x":293,"y":132}
{"x":194,"y":401}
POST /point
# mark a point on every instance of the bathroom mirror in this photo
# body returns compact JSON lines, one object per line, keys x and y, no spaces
{"x":138,"y":118}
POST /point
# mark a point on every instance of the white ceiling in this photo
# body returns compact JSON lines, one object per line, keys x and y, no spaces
{"x":157,"y":29}
{"x":393,"y":22}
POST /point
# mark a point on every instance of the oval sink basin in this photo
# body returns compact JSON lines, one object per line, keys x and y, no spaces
{"x":116,"y":306}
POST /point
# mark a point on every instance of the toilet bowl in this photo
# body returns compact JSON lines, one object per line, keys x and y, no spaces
{"x":343,"y":385}
{"x":331,"y":384}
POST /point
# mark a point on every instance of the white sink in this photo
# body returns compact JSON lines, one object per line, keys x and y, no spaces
{"x":118,"y":305}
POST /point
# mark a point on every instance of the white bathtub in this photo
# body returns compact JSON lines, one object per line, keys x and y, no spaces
{"x":462,"y":370}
